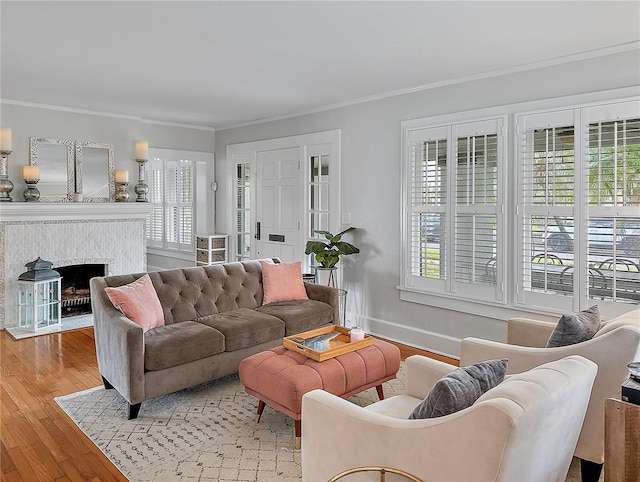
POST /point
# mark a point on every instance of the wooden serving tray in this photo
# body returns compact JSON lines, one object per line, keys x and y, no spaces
{"x":339,"y":345}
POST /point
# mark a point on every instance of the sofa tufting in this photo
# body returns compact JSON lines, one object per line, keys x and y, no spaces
{"x":213,"y":319}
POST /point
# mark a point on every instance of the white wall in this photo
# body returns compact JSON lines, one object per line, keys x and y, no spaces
{"x":122,"y":132}
{"x":371,"y":181}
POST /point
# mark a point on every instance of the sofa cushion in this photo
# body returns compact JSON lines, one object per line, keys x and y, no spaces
{"x":139,"y":302}
{"x":299,"y":315}
{"x":282,"y":282}
{"x":244,"y":328}
{"x":461,"y":388}
{"x":575,"y":328}
{"x":178,"y":343}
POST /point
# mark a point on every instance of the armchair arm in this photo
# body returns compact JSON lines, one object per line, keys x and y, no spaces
{"x":521,"y":358}
{"x":326,"y":294}
{"x":527,"y":332}
{"x":119,"y":345}
{"x":423,"y":373}
{"x":611,"y":351}
{"x":338,"y":435}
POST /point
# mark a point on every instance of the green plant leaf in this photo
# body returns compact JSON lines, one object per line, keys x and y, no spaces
{"x":328,"y":253}
{"x":347,"y":248}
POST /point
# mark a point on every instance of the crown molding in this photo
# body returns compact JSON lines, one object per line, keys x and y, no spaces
{"x":616,"y":49}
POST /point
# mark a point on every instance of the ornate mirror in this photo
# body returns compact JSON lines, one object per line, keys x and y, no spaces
{"x":55,"y":160}
{"x":94,"y":171}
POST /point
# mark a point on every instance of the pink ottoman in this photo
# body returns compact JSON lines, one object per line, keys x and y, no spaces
{"x":280,"y":377}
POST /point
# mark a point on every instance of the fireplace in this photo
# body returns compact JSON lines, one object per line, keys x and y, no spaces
{"x":75,"y":294}
{"x":66,"y":234}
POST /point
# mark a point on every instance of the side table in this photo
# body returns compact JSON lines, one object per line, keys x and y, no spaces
{"x":621,"y":441}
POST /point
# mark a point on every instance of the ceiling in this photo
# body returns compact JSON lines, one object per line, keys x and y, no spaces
{"x":219,"y":64}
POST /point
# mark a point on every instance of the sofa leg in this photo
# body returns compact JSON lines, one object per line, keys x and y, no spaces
{"x":298,"y":428}
{"x":107,"y":385}
{"x":380,"y":392}
{"x":261,"y":406}
{"x":134,"y":410}
{"x":590,"y":471}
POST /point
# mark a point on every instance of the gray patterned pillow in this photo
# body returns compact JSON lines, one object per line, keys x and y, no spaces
{"x":575,"y":328}
{"x":461,"y":388}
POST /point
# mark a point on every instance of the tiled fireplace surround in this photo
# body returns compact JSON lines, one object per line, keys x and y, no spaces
{"x":112,"y":234}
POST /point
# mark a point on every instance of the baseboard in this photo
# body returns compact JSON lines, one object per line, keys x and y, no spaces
{"x":418,"y":338}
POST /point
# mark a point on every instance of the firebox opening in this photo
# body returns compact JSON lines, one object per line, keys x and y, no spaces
{"x":76,"y":297}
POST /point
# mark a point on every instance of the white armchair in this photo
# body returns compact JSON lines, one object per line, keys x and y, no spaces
{"x":524,"y":429}
{"x":613,"y":347}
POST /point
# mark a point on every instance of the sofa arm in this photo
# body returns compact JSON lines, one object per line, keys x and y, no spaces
{"x":119,"y":345}
{"x":527,"y":332}
{"x":423,"y":373}
{"x":326,"y":294}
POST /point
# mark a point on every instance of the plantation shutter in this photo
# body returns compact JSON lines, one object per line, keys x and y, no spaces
{"x":547,"y":151}
{"x":178,"y":192}
{"x":186,"y":204}
{"x":427,"y":220}
{"x":171,"y":191}
{"x":613,"y":167}
{"x":453,"y":174}
{"x":155,"y":181}
{"x":171,"y":184}
{"x":478,"y":225}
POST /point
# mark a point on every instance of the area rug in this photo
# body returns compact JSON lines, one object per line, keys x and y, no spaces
{"x":204,"y":433}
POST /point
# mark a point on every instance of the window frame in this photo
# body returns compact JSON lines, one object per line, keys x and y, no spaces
{"x":511,"y":307}
{"x":452,"y":128}
{"x":199,"y":187}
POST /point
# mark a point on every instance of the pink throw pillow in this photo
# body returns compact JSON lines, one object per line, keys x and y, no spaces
{"x":282,"y":282}
{"x":139,"y":302}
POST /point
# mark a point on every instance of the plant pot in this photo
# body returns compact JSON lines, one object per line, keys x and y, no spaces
{"x":326,"y":276}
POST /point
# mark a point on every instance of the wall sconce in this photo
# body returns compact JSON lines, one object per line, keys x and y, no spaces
{"x":122,"y":181}
{"x":142,"y":153}
{"x":6,"y":186}
{"x":31,"y":176}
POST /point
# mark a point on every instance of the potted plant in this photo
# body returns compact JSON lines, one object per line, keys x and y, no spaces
{"x":327,"y":253}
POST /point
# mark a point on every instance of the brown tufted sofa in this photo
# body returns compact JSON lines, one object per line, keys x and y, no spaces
{"x":214,"y":318}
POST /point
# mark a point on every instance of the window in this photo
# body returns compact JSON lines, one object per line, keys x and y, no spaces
{"x":318,"y":186}
{"x":579,"y":206}
{"x":243,"y":211}
{"x":572,"y":229}
{"x":171,"y":177}
{"x":454,"y":209}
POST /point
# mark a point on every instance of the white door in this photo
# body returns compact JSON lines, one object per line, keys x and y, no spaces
{"x":277,"y":228}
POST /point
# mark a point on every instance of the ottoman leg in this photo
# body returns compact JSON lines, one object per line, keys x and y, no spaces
{"x":298,"y":425}
{"x":380,"y":392}
{"x":261,"y":405}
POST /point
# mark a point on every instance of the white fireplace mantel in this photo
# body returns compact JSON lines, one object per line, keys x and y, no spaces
{"x":37,"y":211}
{"x":65,"y":234}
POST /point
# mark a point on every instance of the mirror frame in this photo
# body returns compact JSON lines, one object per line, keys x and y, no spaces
{"x":71,"y":167}
{"x":110,"y":170}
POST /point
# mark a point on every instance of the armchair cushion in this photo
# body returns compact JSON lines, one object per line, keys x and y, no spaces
{"x":461,"y":388}
{"x":575,"y":328}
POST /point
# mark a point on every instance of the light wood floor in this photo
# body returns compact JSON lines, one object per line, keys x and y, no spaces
{"x":38,"y":440}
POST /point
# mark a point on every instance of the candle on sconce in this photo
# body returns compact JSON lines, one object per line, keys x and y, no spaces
{"x":5,"y":139}
{"x":122,"y":176}
{"x":142,"y":150}
{"x":30,"y":173}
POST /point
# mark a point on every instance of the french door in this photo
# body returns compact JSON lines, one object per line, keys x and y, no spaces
{"x":284,"y":189}
{"x":278,"y":223}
